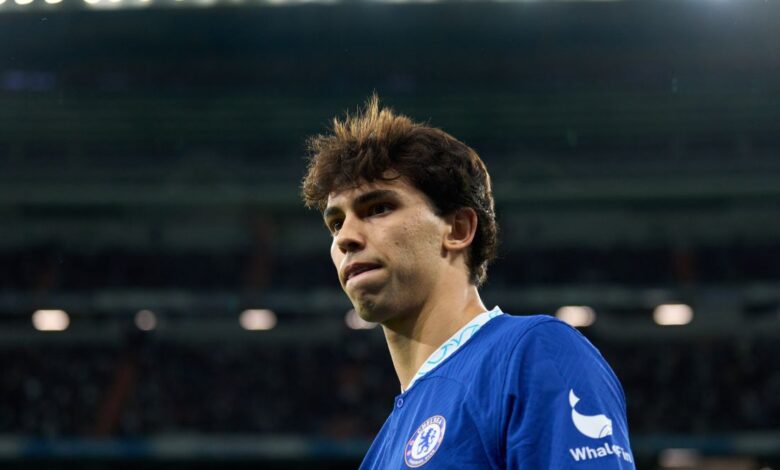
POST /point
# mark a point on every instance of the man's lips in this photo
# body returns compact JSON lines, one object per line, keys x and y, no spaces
{"x":356,"y":269}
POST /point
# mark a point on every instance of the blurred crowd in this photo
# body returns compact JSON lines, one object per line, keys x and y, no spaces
{"x":51,"y":267}
{"x":344,"y":388}
{"x":699,"y":386}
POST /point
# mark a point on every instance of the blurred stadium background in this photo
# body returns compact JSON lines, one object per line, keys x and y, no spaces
{"x":165,"y":300}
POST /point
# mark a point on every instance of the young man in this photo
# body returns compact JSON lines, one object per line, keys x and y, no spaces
{"x":410,"y":209}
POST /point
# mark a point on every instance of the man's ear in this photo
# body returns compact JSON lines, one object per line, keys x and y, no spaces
{"x":462,"y":225}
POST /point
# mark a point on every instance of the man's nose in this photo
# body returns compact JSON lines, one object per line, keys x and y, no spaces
{"x":350,"y":237}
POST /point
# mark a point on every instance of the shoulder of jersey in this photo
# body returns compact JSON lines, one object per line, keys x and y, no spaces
{"x":513,"y":325}
{"x":509,"y":328}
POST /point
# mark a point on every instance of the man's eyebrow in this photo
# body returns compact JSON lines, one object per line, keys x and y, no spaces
{"x":364,"y":198}
{"x":330,"y":211}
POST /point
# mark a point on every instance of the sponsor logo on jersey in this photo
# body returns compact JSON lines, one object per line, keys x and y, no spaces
{"x":425,"y":441}
{"x":588,"y":453}
{"x":595,"y":427}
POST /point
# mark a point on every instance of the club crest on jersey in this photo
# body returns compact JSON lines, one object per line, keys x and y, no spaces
{"x":425,"y":441}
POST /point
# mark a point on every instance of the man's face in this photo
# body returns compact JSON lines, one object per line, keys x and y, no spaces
{"x":387,"y":247}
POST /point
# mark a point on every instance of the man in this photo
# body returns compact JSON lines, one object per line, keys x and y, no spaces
{"x":411,"y":212}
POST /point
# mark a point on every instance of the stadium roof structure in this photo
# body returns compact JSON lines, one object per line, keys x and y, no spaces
{"x":59,"y":5}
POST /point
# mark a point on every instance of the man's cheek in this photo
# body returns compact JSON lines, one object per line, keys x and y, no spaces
{"x":335,"y":254}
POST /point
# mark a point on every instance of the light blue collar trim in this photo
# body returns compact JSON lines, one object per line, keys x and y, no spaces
{"x":457,"y":340}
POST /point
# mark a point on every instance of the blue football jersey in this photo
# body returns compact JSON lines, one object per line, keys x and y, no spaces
{"x":508,"y":392}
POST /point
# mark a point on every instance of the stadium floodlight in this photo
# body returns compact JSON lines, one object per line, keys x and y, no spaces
{"x":92,"y":2}
{"x":23,"y":2}
{"x":679,"y":458}
{"x":673,"y":314}
{"x":257,"y":319}
{"x":53,"y":2}
{"x":50,"y":320}
{"x":146,"y":320}
{"x":576,"y":315}
{"x":353,"y":321}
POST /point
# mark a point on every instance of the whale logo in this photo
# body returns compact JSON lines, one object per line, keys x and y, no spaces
{"x":595,"y":427}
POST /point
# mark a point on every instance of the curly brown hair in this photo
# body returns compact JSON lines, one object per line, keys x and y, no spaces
{"x":363,"y":147}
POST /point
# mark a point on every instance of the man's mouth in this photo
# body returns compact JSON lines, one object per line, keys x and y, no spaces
{"x":358,"y":269}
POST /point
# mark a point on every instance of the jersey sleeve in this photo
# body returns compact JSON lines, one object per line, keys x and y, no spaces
{"x":563,"y":406}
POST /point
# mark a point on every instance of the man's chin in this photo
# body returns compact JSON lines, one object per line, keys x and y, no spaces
{"x":370,"y":311}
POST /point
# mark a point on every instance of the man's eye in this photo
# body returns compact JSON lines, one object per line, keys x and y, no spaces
{"x":334,"y":227}
{"x":377,"y":209}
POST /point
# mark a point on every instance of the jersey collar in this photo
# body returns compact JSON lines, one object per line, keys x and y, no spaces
{"x":455,"y":342}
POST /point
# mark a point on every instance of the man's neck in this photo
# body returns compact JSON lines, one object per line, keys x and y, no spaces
{"x":411,"y":339}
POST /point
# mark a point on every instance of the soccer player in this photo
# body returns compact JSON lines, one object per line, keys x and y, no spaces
{"x":411,"y":212}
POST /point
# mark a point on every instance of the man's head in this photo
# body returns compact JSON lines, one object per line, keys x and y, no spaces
{"x":364,"y":147}
{"x":379,"y":152}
